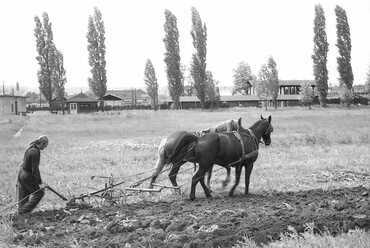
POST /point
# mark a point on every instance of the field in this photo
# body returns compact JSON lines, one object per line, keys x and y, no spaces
{"x":315,"y":176}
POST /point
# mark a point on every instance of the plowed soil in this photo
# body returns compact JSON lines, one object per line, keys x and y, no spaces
{"x":216,"y":222}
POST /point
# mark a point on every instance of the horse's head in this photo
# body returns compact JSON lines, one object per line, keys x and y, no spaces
{"x":266,"y":129}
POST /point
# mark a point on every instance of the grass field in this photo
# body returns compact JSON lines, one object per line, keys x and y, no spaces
{"x":319,"y":148}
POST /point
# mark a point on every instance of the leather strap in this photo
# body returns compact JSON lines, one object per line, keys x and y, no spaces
{"x":237,"y":135}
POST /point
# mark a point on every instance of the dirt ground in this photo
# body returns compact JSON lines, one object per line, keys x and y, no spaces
{"x":217,"y":222}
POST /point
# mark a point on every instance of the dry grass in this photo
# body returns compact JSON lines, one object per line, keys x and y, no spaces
{"x":7,"y":232}
{"x":307,"y":147}
{"x":321,"y":148}
{"x":354,"y":238}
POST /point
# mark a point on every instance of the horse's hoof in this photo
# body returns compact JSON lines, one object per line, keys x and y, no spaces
{"x":209,"y":196}
{"x":192,"y":197}
{"x":231,"y":194}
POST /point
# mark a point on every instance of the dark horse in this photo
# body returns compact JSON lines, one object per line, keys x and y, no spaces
{"x":238,"y":149}
{"x":172,"y":149}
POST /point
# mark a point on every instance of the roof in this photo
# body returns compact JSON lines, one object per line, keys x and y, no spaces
{"x":121,"y":94}
{"x":289,"y":97}
{"x":82,"y":98}
{"x":13,"y":96}
{"x":295,"y":82}
{"x":239,"y":98}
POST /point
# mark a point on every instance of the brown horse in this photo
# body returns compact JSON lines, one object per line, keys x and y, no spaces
{"x":239,"y":149}
{"x":171,"y":149}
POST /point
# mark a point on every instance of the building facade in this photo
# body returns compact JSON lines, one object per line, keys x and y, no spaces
{"x":82,"y":103}
{"x":126,"y":99}
{"x":10,"y":104}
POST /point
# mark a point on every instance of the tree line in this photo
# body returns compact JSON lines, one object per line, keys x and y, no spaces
{"x":266,"y":84}
{"x":201,"y":83}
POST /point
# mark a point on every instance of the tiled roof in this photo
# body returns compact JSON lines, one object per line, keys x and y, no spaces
{"x":126,"y":93}
{"x":82,"y":98}
{"x":239,"y":98}
{"x":295,"y":82}
{"x":13,"y":96}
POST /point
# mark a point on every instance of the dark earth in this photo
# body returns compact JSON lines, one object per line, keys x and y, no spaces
{"x":216,"y":222}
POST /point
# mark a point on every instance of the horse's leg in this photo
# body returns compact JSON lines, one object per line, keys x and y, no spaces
{"x":207,"y":190}
{"x":173,"y":172}
{"x":238,"y":171}
{"x":227,"y":179}
{"x":196,"y":178}
{"x":248,"y":171}
{"x":159,"y":164}
{"x":209,"y":175}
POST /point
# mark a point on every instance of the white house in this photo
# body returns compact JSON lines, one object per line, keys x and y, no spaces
{"x":12,"y":104}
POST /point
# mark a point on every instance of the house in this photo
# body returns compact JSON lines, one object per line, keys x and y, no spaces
{"x":289,"y":95}
{"x":82,"y":103}
{"x":57,"y":104}
{"x":360,"y":95}
{"x":11,"y":104}
{"x":122,"y":99}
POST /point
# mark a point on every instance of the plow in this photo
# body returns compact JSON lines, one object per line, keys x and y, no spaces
{"x":109,"y":192}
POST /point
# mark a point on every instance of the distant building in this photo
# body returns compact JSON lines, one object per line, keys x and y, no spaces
{"x":82,"y":103}
{"x":289,"y":95}
{"x":10,"y":104}
{"x":360,"y":95}
{"x":120,"y":99}
{"x":57,"y":104}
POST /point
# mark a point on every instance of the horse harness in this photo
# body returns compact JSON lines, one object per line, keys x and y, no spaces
{"x":243,"y":155}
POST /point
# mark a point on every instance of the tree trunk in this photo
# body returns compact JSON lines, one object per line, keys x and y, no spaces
{"x":322,"y":101}
{"x":63,"y":106}
{"x":102,"y":106}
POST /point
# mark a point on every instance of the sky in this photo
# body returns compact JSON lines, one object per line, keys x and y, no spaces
{"x":244,"y":30}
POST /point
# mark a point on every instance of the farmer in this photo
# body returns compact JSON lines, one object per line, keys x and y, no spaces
{"x":29,"y":179}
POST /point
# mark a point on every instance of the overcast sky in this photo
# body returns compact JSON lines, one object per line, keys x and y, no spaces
{"x":238,"y":31}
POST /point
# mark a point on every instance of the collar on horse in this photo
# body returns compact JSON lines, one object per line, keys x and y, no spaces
{"x":244,"y":156}
{"x":255,"y":137}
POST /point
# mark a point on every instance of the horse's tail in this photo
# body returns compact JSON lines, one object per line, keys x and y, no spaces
{"x":184,"y":148}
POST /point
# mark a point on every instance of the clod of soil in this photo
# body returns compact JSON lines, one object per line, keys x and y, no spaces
{"x":219,"y":222}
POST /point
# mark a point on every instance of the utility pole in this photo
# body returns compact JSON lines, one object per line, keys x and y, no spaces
{"x":3,"y":88}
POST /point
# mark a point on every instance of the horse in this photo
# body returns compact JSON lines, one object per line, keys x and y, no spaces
{"x":238,"y":149}
{"x":172,"y":145}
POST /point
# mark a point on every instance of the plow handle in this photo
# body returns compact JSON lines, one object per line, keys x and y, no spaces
{"x":52,"y":190}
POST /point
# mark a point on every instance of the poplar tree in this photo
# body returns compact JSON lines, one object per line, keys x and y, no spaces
{"x":96,"y":49}
{"x":172,"y":58}
{"x":261,"y":85}
{"x":320,"y":52}
{"x":212,"y":91}
{"x":198,"y":65}
{"x":344,"y":49}
{"x":151,"y":83}
{"x":45,"y":55}
{"x":273,"y":80}
{"x":367,"y":83}
{"x":59,"y":76}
